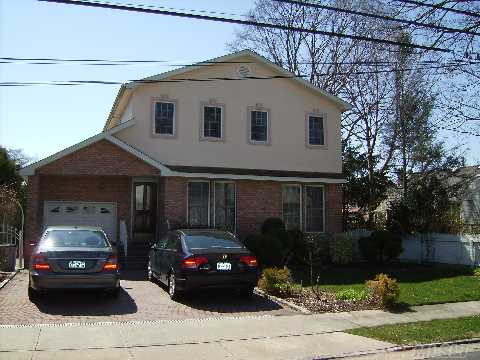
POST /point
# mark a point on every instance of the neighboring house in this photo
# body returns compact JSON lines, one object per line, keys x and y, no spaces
{"x":217,"y":153}
{"x":470,"y":205}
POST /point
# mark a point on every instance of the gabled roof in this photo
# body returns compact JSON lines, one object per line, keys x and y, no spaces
{"x":128,"y":87}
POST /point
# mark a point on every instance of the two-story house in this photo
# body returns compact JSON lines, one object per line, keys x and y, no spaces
{"x":225,"y":143}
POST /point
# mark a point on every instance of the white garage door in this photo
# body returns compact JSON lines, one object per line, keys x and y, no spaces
{"x":82,"y":213}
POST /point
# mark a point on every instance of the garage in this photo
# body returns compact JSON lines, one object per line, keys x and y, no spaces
{"x":82,"y":213}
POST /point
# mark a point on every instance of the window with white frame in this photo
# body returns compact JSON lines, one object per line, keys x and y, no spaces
{"x":291,"y":206}
{"x":225,"y":205}
{"x":316,"y":130}
{"x":164,"y":118}
{"x":258,"y":126}
{"x":314,"y":208}
{"x":198,"y":203}
{"x":212,"y":122}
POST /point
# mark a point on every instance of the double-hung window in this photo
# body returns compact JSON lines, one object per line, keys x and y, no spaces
{"x":258,"y":126}
{"x":164,"y":121}
{"x":198,"y":203}
{"x":291,"y":206}
{"x":314,"y":208}
{"x":316,"y":130}
{"x":225,"y":205}
{"x":212,"y":122}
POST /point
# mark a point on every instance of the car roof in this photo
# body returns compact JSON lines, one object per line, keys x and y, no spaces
{"x":74,"y":227}
{"x":193,"y":232}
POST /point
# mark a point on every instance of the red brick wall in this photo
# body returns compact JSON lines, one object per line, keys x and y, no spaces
{"x":333,"y":208}
{"x":100,"y":158}
{"x":256,"y":201}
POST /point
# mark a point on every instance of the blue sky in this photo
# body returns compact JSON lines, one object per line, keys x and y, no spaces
{"x":45,"y":119}
{"x":42,"y":120}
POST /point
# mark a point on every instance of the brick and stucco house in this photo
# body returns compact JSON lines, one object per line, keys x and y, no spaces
{"x":217,"y":153}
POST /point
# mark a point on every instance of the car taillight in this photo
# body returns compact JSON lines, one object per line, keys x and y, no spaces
{"x":249,"y":260}
{"x":194,"y":262}
{"x":39,"y":262}
{"x":111,"y":264}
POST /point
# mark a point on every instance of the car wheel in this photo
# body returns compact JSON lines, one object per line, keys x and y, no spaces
{"x":150,"y":273}
{"x":247,"y":291}
{"x":172,"y":287}
{"x":33,"y":295}
{"x":113,"y":293}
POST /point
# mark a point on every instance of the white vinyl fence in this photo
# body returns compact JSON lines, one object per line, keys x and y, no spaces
{"x":433,"y":248}
{"x":442,"y":248}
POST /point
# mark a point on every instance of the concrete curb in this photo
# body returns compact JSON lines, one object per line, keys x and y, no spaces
{"x":401,"y":348}
{"x":9,"y":277}
{"x":283,"y":302}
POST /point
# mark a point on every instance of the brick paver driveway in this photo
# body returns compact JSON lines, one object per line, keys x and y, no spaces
{"x":140,"y":300}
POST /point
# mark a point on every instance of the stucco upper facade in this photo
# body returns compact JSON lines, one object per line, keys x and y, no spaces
{"x":288,"y":102}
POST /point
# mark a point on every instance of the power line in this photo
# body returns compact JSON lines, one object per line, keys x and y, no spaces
{"x":439,"y":7}
{"x":457,"y":131}
{"x":118,"y":62}
{"x":116,"y":6}
{"x":181,"y":80}
{"x":377,"y":16}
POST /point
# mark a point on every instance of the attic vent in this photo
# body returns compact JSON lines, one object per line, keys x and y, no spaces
{"x":244,"y":71}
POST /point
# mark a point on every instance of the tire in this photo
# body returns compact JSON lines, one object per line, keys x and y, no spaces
{"x":150,"y":276}
{"x":113,"y":293}
{"x":33,"y":295}
{"x":247,"y":291}
{"x":172,"y":288}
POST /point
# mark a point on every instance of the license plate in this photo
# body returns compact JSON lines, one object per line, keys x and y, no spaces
{"x":76,"y":264}
{"x":224,"y":266}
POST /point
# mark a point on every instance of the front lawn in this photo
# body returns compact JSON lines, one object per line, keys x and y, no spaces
{"x":419,"y":285}
{"x":424,"y":331}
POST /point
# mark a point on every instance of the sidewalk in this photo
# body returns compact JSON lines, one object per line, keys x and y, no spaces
{"x":256,"y":337}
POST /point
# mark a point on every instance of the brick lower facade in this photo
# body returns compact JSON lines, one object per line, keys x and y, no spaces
{"x":102,"y":172}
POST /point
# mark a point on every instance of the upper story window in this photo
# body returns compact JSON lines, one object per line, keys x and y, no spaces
{"x":164,"y":118}
{"x":258,"y":125}
{"x":212,"y":122}
{"x":316,"y":130}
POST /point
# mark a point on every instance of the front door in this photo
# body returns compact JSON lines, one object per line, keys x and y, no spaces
{"x":144,"y":227}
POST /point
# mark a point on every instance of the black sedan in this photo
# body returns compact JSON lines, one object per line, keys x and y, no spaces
{"x":197,"y":259}
{"x":73,"y":257}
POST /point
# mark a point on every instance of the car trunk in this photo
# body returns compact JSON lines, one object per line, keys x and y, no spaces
{"x":77,"y":260}
{"x":219,"y":260}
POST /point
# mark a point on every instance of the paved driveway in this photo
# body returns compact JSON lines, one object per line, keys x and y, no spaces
{"x":139,"y":300}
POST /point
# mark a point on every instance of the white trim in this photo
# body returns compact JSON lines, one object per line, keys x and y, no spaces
{"x":209,"y":194}
{"x":299,"y":186}
{"x":222,"y":122}
{"x":323,"y":211}
{"x":155,"y":101}
{"x":255,"y":177}
{"x":249,"y":125}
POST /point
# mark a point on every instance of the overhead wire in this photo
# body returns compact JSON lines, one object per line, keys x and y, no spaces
{"x":119,"y":6}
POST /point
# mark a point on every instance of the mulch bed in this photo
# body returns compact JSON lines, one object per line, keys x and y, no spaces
{"x":322,"y":301}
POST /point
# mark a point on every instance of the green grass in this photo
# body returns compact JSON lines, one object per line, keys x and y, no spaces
{"x":419,"y":285}
{"x":423,"y":332}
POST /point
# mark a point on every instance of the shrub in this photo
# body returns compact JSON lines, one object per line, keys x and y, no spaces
{"x":269,"y":250}
{"x":385,"y":288}
{"x":352,"y":295}
{"x":476,"y":272}
{"x":276,"y":282}
{"x":342,"y":249}
{"x":381,"y":246}
{"x":273,"y":226}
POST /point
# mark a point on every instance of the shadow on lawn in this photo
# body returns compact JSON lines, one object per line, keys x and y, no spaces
{"x":404,"y":273}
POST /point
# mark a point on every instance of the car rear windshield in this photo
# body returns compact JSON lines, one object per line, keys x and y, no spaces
{"x":208,"y":241}
{"x":74,"y":238}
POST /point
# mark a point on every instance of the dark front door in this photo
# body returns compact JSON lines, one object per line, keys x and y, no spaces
{"x":145,"y":208}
